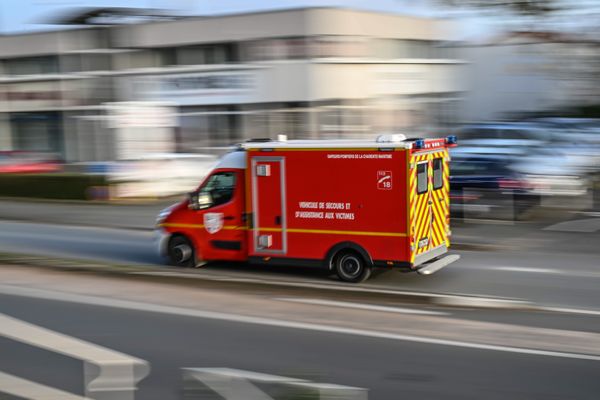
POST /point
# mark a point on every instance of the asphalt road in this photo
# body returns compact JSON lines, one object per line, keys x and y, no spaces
{"x":551,"y":277}
{"x":390,"y":369}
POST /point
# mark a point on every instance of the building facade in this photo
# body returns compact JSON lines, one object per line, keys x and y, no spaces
{"x":528,"y":73}
{"x":307,"y":73}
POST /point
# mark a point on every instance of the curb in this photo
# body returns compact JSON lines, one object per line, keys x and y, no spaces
{"x":368,"y":292}
{"x":177,"y":276}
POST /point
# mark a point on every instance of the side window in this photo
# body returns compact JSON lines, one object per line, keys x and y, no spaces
{"x":217,"y":190}
{"x":421,"y":178}
{"x":438,"y":173}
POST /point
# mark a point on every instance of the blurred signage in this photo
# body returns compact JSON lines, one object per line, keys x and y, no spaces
{"x":215,"y":87}
{"x":141,"y":115}
{"x":400,"y":79}
{"x":208,"y":82}
{"x":29,"y":96}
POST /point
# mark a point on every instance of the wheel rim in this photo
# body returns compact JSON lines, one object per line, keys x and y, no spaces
{"x":350,"y":266}
{"x":182,"y":253}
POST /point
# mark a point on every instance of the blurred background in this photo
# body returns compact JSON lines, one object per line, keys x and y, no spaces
{"x":101,"y":102}
{"x":111,"y":110}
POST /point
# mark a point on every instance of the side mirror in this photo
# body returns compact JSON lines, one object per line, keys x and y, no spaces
{"x":199,"y":201}
{"x":193,"y":201}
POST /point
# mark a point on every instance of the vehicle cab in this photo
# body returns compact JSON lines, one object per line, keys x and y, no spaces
{"x":211,"y":221}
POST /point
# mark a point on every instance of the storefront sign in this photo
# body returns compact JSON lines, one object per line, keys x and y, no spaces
{"x":198,"y":88}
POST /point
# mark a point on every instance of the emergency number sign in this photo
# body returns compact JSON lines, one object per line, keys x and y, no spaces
{"x":384,"y":180}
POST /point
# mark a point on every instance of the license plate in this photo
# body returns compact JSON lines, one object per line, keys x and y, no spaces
{"x":423,"y":242}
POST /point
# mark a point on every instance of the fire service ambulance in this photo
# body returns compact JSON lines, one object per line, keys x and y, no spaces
{"x":346,"y":205}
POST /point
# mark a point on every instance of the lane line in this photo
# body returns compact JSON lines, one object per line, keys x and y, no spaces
{"x":571,"y":310}
{"x":589,"y":225}
{"x":136,"y":306}
{"x":587,"y":213}
{"x":360,"y":306}
{"x":534,"y":270}
{"x":549,"y":271}
{"x":529,"y":269}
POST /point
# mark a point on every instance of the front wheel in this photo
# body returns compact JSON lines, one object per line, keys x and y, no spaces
{"x":181,"y":252}
{"x":351,"y":267}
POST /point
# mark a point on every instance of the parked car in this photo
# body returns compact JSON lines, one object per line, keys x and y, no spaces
{"x":21,"y":162}
{"x":486,"y":185}
{"x":559,"y":170}
{"x":503,"y":134}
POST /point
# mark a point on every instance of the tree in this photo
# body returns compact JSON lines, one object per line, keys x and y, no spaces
{"x":533,"y":8}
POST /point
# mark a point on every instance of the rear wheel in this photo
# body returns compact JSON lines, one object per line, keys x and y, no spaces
{"x":351,"y":267}
{"x":181,"y":252}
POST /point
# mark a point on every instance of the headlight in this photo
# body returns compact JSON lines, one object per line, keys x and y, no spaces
{"x":164,"y":213}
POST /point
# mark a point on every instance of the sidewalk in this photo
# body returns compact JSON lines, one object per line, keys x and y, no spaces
{"x":139,"y":216}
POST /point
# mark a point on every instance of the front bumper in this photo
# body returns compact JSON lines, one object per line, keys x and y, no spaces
{"x":161,"y":240}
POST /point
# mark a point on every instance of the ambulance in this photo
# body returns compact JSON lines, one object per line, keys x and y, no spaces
{"x":345,"y":205}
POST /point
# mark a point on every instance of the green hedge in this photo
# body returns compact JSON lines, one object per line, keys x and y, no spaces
{"x":54,"y":186}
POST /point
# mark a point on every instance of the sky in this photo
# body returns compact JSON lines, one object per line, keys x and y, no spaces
{"x":27,"y":15}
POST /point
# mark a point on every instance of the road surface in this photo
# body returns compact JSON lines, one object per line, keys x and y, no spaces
{"x":540,"y":275}
{"x":170,"y":339}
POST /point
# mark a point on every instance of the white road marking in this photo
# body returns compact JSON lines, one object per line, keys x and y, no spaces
{"x":26,"y":389}
{"x":588,"y":213}
{"x":360,"y":306}
{"x":115,"y":374}
{"x":571,"y":310}
{"x":550,"y":271}
{"x":589,"y":225}
{"x":131,"y":305}
{"x":528,"y":269}
{"x":239,"y":384}
{"x":479,"y":302}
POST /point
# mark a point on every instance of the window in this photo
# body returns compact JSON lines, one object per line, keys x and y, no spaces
{"x":421,"y":178}
{"x":217,"y":190}
{"x":214,"y":53}
{"x":438,"y":172}
{"x":32,"y":65}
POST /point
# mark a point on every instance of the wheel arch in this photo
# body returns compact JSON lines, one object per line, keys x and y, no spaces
{"x":196,"y":251}
{"x":336,"y":249}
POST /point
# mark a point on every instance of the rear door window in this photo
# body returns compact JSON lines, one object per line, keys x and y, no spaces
{"x":421,"y":178}
{"x":438,"y":171}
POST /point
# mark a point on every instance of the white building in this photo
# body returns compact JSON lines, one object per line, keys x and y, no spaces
{"x":313,"y":72}
{"x":524,"y":73}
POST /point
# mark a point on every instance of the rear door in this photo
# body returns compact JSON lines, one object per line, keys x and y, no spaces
{"x":429,"y":199}
{"x":268,"y":199}
{"x":420,"y":204}
{"x":439,"y":196}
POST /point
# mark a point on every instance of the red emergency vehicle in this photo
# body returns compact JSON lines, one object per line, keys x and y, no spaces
{"x":346,"y":205}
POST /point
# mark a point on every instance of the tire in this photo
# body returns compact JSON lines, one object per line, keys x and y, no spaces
{"x":351,"y":267}
{"x":181,"y":252}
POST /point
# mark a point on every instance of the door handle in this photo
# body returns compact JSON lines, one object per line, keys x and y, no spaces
{"x":228,"y":217}
{"x":278,"y":220}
